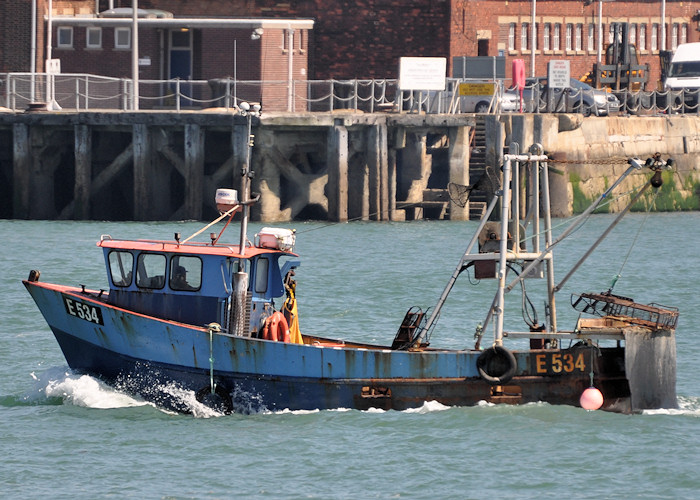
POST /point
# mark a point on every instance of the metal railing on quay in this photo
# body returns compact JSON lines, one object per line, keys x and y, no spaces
{"x":83,"y":92}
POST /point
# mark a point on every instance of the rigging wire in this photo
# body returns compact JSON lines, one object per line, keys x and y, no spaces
{"x":634,"y":241}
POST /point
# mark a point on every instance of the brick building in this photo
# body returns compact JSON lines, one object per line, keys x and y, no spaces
{"x":332,"y":38}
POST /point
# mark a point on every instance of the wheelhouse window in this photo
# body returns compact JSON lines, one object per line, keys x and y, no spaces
{"x":121,"y":265}
{"x":185,"y":273}
{"x":93,"y":38}
{"x":150,"y":270}
{"x":122,"y":38}
{"x":261,"y":268}
{"x":64,"y":36}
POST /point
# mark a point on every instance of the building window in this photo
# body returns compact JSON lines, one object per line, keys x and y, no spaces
{"x":93,"y":38}
{"x":533,"y":35}
{"x":642,"y":37}
{"x":64,"y":36}
{"x":511,"y":36}
{"x":122,"y":38}
{"x":654,"y":36}
{"x":611,"y":33}
{"x":674,"y":36}
{"x":684,"y":33}
{"x":523,"y":36}
{"x":569,"y":36}
{"x":556,"y":44}
{"x":579,"y":37}
{"x":591,"y":37}
{"x":546,"y":45}
{"x":302,"y":36}
{"x":633,"y":34}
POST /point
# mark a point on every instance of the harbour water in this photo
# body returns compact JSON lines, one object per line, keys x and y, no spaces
{"x":69,"y":436}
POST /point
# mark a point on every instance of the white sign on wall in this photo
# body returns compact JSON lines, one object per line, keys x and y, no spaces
{"x":422,"y":73}
{"x":53,"y":66}
{"x":558,"y":74}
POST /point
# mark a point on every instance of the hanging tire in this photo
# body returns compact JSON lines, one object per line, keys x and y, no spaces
{"x":220,"y":400}
{"x":496,"y":365}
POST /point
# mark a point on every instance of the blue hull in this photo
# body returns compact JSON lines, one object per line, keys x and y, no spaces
{"x":142,"y":353}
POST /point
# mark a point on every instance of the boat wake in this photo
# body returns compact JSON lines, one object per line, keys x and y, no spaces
{"x":61,"y":386}
{"x":687,"y":405}
{"x":57,"y":385}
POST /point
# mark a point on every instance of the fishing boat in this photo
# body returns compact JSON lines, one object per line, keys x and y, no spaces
{"x":222,"y":320}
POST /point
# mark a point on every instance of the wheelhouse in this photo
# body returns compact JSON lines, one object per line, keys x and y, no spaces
{"x":194,"y":283}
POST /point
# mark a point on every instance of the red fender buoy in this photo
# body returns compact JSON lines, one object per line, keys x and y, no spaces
{"x":276,"y":328}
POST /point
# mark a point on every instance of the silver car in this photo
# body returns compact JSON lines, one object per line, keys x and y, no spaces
{"x":579,"y":97}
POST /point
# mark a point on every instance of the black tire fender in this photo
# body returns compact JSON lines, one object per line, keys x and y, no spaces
{"x":496,"y":365}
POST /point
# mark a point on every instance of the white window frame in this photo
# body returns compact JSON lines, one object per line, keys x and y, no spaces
{"x":61,"y":33}
{"x":524,"y":37}
{"x":684,"y":33}
{"x":654,"y":36}
{"x":568,"y":44}
{"x":546,"y":37}
{"x":511,"y":36}
{"x":591,"y":37}
{"x":536,"y":33}
{"x":578,"y":40}
{"x":556,"y":39}
{"x":674,"y":36}
{"x":118,"y":45}
{"x":93,"y":30}
{"x":633,"y":34}
{"x":642,"y":37}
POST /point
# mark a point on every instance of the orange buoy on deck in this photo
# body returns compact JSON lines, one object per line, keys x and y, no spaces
{"x":276,"y":328}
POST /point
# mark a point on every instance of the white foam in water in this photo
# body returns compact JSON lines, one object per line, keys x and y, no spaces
{"x":82,"y":390}
{"x":428,"y":407}
{"x":189,"y":399}
{"x":686,"y":406}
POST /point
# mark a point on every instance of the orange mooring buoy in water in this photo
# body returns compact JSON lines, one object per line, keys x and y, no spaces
{"x":591,"y":399}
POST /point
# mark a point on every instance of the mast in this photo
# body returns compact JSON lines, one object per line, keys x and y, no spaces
{"x":240,"y":287}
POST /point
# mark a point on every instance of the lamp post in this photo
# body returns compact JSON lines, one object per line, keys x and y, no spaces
{"x":663,"y":24}
{"x":135,"y":55}
{"x":533,"y":39}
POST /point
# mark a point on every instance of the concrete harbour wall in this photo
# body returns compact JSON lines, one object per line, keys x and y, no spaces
{"x":326,"y":166}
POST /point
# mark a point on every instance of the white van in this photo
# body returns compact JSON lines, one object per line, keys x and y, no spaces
{"x":684,"y":74}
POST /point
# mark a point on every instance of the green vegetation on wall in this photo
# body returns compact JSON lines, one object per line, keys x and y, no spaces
{"x":581,"y":202}
{"x":670,"y":198}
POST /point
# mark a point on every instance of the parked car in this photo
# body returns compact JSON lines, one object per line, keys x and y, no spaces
{"x":579,"y":97}
{"x":447,"y":102}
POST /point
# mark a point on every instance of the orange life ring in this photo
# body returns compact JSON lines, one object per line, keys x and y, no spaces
{"x":276,"y":328}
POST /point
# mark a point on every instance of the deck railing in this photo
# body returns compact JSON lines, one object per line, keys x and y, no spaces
{"x":83,"y":92}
